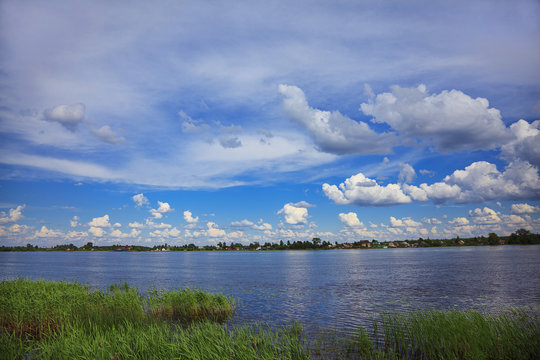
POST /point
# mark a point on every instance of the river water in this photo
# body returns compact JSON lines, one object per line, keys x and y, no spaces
{"x":336,"y":289}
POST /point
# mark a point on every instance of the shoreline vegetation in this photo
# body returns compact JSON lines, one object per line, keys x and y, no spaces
{"x":520,"y":237}
{"x":63,"y":320}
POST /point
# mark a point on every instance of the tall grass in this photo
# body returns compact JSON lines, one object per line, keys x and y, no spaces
{"x":60,"y":320}
{"x":461,"y":335}
{"x":189,"y":305}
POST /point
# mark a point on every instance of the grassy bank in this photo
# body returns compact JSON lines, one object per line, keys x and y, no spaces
{"x":60,"y":320}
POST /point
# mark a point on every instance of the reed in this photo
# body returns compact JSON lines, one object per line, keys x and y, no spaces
{"x":189,"y":305}
{"x":62,"y":320}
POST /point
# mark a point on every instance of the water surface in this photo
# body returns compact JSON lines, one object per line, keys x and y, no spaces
{"x":337,"y":289}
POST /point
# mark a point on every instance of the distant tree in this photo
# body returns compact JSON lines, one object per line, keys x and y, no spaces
{"x":493,"y":239}
{"x":316,"y":242}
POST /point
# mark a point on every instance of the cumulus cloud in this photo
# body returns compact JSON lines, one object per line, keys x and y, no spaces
{"x":459,"y":221}
{"x":350,"y":219}
{"x":362,"y":191}
{"x":152,"y":225}
{"x":136,"y":225}
{"x":105,"y":134}
{"x":74,"y":222}
{"x":44,"y":232}
{"x":96,"y":231}
{"x":162,"y":209}
{"x":333,"y":132}
{"x":140,"y":199}
{"x":261,"y":225}
{"x":69,"y":116}
{"x":213,"y":230}
{"x":480,"y":182}
{"x":407,"y":221}
{"x":451,"y":120}
{"x":524,"y":145}
{"x":13,"y":216}
{"x":524,"y":209}
{"x":294,"y":215}
{"x":100,"y":222}
{"x":485,"y":216}
{"x":406,"y":174}
{"x":188,"y":216}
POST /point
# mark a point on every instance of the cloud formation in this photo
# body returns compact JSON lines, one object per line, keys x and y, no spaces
{"x":524,"y":145}
{"x":140,"y":200}
{"x":450,"y":121}
{"x":524,"y":209}
{"x":188,"y":216}
{"x":13,"y":216}
{"x":105,"y":134}
{"x":163,"y":208}
{"x":363,"y":191}
{"x":100,"y":222}
{"x":333,"y":132}
{"x":294,"y":215}
{"x":69,"y":116}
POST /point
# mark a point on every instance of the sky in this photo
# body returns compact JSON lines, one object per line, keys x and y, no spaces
{"x":178,"y":122}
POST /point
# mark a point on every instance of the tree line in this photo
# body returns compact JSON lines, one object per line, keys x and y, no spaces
{"x":520,"y":237}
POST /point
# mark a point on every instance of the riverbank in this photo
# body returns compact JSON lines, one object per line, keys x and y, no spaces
{"x":520,"y":237}
{"x":46,"y":320}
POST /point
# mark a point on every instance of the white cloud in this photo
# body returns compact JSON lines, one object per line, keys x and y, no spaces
{"x":14,"y":215}
{"x":96,"y":231}
{"x":524,"y":145}
{"x":74,"y":222}
{"x":69,"y":116}
{"x":136,"y":225}
{"x":100,"y":221}
{"x":261,"y":225}
{"x":163,"y":208}
{"x":485,"y":216}
{"x":451,"y":120}
{"x":406,"y":174}
{"x":118,"y":234}
{"x":294,"y":215}
{"x":44,"y":232}
{"x":167,"y":233}
{"x":105,"y":134}
{"x":153,"y":225}
{"x":213,"y":230}
{"x":140,"y":199}
{"x":459,"y":221}
{"x":360,"y":190}
{"x":242,"y":223}
{"x":524,"y":208}
{"x":331,"y":131}
{"x":350,"y":219}
{"x":480,"y":182}
{"x":407,"y":221}
{"x":188,"y":216}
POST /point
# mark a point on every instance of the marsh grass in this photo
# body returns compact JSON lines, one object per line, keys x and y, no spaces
{"x":189,"y":305}
{"x":61,"y":320}
{"x":461,"y":335}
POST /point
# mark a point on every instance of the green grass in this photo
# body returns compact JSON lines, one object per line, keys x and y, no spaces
{"x":61,"y":320}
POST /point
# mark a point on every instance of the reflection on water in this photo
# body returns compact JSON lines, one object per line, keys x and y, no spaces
{"x":338,"y":290}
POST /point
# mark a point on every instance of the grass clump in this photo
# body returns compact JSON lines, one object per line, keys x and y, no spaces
{"x":189,"y":305}
{"x":60,"y":320}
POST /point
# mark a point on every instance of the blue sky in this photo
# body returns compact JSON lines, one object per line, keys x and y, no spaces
{"x":200,"y":122}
